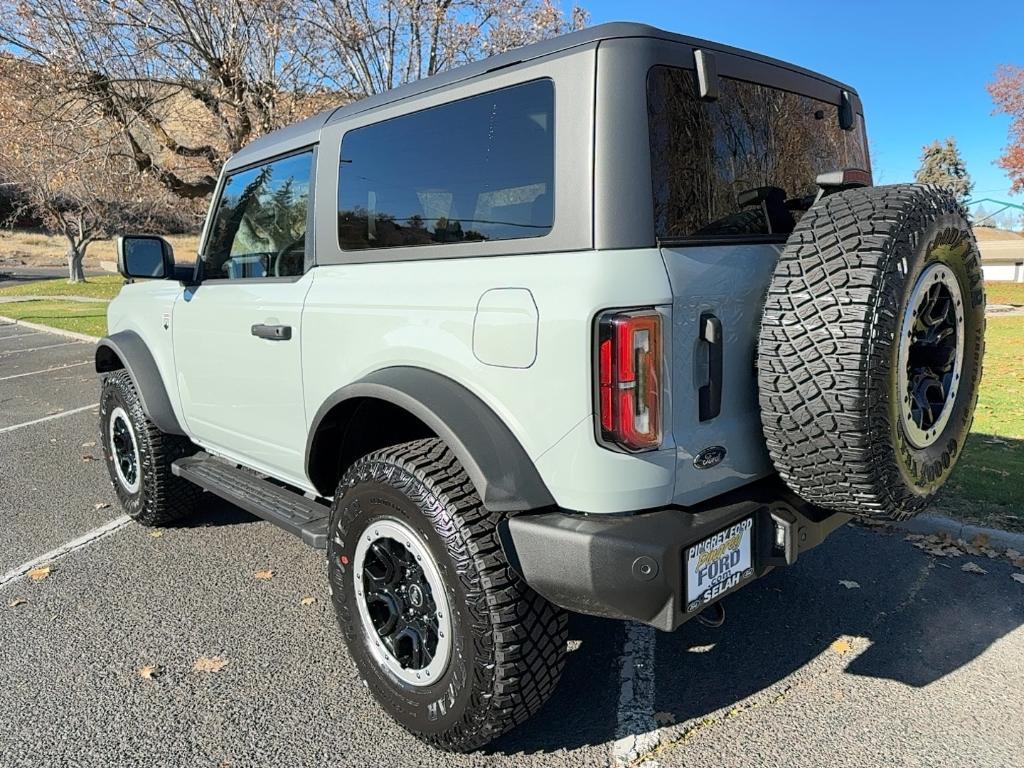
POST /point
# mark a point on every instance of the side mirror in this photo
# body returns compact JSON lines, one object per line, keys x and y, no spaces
{"x":146,"y":256}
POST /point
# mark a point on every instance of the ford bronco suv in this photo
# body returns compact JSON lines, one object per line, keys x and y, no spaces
{"x":614,"y":323}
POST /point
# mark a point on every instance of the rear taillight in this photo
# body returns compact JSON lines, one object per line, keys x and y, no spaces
{"x":629,"y":365}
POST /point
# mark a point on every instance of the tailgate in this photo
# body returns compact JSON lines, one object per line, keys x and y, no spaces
{"x":717,"y":298}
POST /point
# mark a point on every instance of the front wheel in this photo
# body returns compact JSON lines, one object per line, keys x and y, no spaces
{"x":139,"y":456}
{"x":451,"y":642}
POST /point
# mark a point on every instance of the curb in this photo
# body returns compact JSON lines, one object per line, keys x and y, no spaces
{"x":49,"y":329}
{"x":929,"y":524}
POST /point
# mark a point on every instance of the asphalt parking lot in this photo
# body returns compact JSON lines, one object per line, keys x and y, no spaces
{"x":918,"y":664}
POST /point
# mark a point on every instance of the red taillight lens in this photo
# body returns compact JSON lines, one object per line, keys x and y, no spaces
{"x":629,"y":358}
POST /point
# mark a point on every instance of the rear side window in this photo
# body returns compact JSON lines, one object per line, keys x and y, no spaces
{"x":477,"y":169}
{"x":743,"y":166}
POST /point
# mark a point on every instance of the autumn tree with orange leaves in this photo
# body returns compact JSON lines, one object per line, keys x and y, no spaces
{"x":1007,"y":91}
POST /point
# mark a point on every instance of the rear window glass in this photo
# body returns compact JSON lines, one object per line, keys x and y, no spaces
{"x":477,"y":169}
{"x":743,"y":166}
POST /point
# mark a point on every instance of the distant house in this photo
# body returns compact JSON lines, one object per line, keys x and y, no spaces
{"x":1002,"y":254}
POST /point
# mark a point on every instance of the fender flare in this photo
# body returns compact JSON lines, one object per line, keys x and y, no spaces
{"x":495,"y":460}
{"x":132,"y":352}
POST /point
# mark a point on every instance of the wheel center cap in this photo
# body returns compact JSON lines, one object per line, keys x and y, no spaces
{"x":415,"y":596}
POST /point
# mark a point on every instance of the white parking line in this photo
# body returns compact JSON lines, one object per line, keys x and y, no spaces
{"x":48,"y":418}
{"x":36,"y":349}
{"x":20,"y":335}
{"x":56,"y":554}
{"x":636,"y":732}
{"x":45,"y":370}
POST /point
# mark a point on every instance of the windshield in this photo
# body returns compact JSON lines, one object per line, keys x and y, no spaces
{"x":742,"y":166}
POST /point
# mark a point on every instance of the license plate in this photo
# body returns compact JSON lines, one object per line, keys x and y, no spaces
{"x":718,"y":564}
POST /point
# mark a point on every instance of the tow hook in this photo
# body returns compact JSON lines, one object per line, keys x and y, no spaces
{"x":712,"y":616}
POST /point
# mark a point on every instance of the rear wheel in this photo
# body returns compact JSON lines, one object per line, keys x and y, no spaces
{"x":870,"y":349}
{"x":450,"y":641}
{"x":139,"y":456}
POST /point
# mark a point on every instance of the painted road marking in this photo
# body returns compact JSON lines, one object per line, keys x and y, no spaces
{"x":36,"y":349}
{"x":636,"y":731}
{"x":5,"y":337}
{"x":45,"y":370}
{"x":65,"y":549}
{"x":49,"y":418}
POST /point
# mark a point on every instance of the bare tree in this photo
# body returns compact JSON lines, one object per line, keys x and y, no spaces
{"x":382,"y":44}
{"x":58,"y":156}
{"x":185,"y":83}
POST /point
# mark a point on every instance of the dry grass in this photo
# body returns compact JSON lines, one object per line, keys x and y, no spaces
{"x":991,"y":233}
{"x":35,"y":249}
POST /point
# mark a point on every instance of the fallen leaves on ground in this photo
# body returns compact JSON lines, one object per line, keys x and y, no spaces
{"x":849,"y":584}
{"x":841,"y":645}
{"x":88,"y":457}
{"x":100,"y":505}
{"x":664,"y":718}
{"x":150,"y":672}
{"x":972,"y":568}
{"x":1018,"y":577}
{"x":16,"y":602}
{"x":265,"y":574}
{"x":90,"y":444}
{"x":307,"y":601}
{"x":944,"y":545}
{"x":155,"y":534}
{"x":38,"y":574}
{"x":210,"y":664}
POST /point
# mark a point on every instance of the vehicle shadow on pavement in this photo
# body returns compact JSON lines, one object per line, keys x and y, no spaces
{"x":582,"y":711}
{"x":910,"y":618}
{"x":212,"y":512}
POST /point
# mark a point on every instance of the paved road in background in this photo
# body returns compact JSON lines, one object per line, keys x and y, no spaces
{"x":15,"y":275}
{"x":918,"y":665}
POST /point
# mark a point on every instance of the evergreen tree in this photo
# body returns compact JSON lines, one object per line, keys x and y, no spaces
{"x":941,"y":164}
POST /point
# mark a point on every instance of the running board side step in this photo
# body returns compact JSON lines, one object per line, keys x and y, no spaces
{"x":287,"y":509}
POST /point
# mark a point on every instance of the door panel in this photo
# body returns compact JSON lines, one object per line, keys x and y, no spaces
{"x":241,"y":394}
{"x":722,"y":286}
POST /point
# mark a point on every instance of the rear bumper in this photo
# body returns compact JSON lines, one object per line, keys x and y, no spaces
{"x":631,"y":566}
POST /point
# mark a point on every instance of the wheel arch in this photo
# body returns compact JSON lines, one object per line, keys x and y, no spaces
{"x":416,"y":402}
{"x":127,"y":350}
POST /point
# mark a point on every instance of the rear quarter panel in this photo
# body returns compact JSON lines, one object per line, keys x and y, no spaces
{"x":359,"y":318}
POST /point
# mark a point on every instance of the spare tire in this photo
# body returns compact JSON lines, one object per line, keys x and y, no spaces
{"x":870,"y":349}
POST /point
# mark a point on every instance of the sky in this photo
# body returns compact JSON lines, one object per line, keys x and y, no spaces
{"x":919,"y":66}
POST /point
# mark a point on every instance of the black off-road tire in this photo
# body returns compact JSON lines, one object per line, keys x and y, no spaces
{"x":161,"y":497}
{"x":508,"y":644}
{"x":829,"y":349}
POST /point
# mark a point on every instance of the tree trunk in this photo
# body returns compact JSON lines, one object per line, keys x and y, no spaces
{"x":75,"y":272}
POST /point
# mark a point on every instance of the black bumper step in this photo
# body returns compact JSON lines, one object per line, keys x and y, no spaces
{"x":290,"y":510}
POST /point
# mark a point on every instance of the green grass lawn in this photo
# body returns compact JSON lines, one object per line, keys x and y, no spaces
{"x":987,"y":486}
{"x":90,"y":318}
{"x":1004,"y":293}
{"x":100,"y":287}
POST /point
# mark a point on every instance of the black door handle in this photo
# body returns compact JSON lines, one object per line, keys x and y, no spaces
{"x":710,"y":395}
{"x":272,"y":332}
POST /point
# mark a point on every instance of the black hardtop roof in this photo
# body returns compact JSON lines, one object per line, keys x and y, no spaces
{"x":307,"y":131}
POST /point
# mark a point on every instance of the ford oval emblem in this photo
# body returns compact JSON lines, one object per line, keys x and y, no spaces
{"x":709,"y":457}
